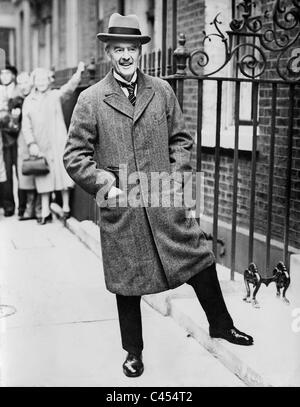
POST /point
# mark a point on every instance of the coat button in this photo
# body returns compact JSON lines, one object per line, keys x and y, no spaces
{"x":138,"y":181}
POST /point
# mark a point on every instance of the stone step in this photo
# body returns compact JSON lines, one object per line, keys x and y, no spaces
{"x":274,"y":359}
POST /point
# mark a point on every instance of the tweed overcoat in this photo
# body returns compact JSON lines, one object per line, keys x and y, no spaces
{"x":145,"y":249}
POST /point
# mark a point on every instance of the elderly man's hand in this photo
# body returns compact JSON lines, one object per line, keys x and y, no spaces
{"x":110,"y":197}
{"x":114,"y":191}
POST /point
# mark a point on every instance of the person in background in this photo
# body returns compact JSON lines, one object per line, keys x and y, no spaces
{"x":45,"y":134}
{"x":26,"y":182}
{"x":10,"y":100}
{"x":2,"y":168}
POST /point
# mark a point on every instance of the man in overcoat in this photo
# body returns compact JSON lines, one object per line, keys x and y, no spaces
{"x":133,"y":120}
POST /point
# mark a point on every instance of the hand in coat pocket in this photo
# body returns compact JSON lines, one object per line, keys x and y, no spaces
{"x":114,"y":192}
{"x":110,"y":198}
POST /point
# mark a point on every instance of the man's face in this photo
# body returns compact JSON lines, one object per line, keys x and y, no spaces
{"x":124,"y":57}
{"x":6,"y":77}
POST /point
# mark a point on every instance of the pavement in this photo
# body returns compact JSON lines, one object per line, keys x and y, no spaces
{"x":273,"y":360}
{"x":59,"y":325}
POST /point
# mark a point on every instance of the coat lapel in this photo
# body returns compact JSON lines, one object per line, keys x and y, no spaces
{"x":115,"y":97}
{"x":144,"y":95}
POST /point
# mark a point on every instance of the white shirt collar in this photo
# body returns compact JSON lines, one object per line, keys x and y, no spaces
{"x":119,"y":78}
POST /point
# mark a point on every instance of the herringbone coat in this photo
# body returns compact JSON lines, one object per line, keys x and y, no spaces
{"x":145,"y":249}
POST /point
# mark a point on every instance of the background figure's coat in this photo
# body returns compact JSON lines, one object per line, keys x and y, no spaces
{"x":26,"y":182}
{"x":43,"y":123}
{"x":2,"y":164}
{"x":145,"y":250}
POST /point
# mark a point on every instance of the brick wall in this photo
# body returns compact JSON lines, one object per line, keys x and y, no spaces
{"x":281,"y":144}
{"x":190,"y":21}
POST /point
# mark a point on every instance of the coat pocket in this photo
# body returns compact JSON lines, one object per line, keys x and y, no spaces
{"x":125,"y":235}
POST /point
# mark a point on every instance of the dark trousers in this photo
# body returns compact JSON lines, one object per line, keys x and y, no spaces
{"x":10,"y":156}
{"x":22,"y":196}
{"x":209,"y":294}
{"x":7,"y":190}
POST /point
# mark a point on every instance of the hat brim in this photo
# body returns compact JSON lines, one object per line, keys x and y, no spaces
{"x":144,"y":39}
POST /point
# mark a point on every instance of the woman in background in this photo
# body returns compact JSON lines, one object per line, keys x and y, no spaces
{"x":45,"y":133}
{"x":26,"y":182}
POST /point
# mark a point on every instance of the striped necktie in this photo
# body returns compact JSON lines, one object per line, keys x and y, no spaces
{"x":130,"y":87}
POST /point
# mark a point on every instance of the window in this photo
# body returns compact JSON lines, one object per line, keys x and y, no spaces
{"x":4,"y":42}
{"x":216,"y":53}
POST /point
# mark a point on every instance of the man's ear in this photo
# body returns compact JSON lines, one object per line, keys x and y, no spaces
{"x":107,"y":51}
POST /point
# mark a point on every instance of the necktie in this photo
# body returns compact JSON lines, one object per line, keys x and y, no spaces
{"x":130,"y":87}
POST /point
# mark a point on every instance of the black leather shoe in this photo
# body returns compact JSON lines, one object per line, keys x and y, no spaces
{"x":133,"y":365}
{"x":46,"y":220}
{"x":27,"y":216}
{"x":232,"y":335}
{"x":9,"y":213}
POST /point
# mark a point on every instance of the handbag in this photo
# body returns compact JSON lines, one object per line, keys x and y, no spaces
{"x":35,"y":166}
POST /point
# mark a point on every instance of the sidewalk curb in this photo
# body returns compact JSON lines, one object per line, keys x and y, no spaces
{"x":233,"y":363}
{"x":83,"y":232}
{"x":163,"y":304}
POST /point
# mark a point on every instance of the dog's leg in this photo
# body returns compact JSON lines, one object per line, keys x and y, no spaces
{"x":246,"y":281}
{"x":277,"y":290}
{"x":282,"y":278}
{"x":257,"y":287}
{"x":256,"y":280}
{"x":286,"y":286}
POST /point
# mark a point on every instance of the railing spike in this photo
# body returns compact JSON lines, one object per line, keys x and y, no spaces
{"x":181,"y":55}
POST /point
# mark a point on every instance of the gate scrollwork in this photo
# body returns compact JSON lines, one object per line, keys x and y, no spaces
{"x":255,"y":41}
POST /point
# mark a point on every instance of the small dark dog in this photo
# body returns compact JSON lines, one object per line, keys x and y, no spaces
{"x":281,"y":278}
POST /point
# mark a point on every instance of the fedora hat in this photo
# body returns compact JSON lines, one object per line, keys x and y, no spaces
{"x":125,"y":28}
